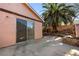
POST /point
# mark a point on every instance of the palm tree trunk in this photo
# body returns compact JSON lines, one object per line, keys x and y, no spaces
{"x":55,"y":28}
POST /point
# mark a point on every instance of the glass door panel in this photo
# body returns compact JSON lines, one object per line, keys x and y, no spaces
{"x":21,"y":30}
{"x":30,"y":29}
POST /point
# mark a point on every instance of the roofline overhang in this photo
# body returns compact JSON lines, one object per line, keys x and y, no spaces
{"x":34,"y":11}
{"x":11,"y":12}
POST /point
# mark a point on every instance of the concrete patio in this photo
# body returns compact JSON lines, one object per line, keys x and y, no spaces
{"x":48,"y":46}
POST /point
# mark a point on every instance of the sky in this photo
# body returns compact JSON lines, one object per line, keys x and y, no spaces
{"x":37,"y":7}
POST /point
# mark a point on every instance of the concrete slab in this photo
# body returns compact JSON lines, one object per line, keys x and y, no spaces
{"x":48,"y":46}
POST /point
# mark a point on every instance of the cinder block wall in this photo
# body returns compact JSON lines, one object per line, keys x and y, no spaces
{"x":77,"y":30}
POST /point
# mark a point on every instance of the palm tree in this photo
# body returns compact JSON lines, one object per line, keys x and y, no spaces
{"x":54,"y":14}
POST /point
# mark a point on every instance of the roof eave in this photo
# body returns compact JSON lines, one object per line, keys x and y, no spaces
{"x":34,"y":11}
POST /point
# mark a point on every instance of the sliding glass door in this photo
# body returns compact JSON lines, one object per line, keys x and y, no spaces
{"x":25,"y":30}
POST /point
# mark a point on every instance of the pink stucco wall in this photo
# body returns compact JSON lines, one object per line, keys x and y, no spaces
{"x":7,"y":29}
{"x":38,"y":30}
{"x":19,"y":8}
{"x":8,"y":23}
{"x":77,"y":30}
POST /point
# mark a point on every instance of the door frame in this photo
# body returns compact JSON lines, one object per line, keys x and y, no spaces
{"x":26,"y":29}
{"x":17,"y":31}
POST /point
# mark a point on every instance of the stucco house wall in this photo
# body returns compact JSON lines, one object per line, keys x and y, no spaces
{"x":8,"y":22}
{"x":38,"y":29}
{"x":7,"y":29}
{"x":19,"y":8}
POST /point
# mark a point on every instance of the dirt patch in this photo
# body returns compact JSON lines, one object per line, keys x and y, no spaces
{"x":71,"y":41}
